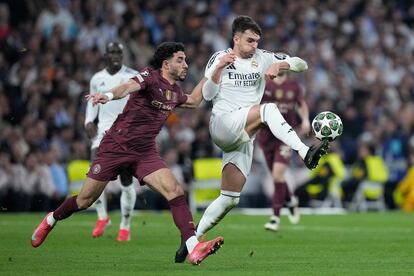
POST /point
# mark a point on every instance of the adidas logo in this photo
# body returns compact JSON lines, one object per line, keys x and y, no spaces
{"x":102,"y":84}
{"x":231,"y":67}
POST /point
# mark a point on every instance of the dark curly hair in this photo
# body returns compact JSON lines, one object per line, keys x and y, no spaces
{"x":243,"y":23}
{"x":165,"y":51}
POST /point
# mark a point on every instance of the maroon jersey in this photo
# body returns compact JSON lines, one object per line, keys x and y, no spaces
{"x":286,"y":96}
{"x":146,"y":111}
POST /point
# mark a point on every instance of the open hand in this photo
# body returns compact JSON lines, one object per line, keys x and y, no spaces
{"x":97,"y":98}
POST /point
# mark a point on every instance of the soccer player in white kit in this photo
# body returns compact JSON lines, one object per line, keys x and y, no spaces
{"x":236,"y":82}
{"x":114,"y":74}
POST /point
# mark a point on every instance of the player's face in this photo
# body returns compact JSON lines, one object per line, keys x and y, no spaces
{"x":178,"y":66}
{"x":114,"y":56}
{"x":246,"y":43}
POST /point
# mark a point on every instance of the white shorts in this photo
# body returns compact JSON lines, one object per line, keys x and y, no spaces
{"x":228,"y":133}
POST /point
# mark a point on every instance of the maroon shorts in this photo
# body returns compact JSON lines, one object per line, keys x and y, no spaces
{"x":276,"y":152}
{"x":111,"y":159}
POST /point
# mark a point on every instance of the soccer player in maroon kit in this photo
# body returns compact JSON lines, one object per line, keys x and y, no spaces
{"x":130,"y":144}
{"x":288,"y":96}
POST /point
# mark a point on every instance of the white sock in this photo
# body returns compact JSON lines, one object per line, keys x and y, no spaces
{"x":191,"y":243}
{"x":271,"y":116}
{"x":100,"y":205}
{"x":217,"y":210}
{"x":128,"y":198}
{"x":51,"y":220}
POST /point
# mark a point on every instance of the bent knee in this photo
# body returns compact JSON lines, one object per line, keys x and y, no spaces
{"x":174,"y":191}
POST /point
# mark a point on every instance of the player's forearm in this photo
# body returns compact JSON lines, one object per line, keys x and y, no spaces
{"x":196,"y":96}
{"x":122,"y":90}
{"x":216,"y":77}
{"x":303,"y":111}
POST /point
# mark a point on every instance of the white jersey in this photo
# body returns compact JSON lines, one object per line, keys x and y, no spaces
{"x":242,"y":83}
{"x":102,"y":82}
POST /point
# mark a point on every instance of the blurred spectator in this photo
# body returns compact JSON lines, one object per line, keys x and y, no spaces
{"x":324,"y":182}
{"x":404,"y":194}
{"x":59,"y":177}
{"x":54,"y":15}
{"x":6,"y":176}
{"x":369,"y":166}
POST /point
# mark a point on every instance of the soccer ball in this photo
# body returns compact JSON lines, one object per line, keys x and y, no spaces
{"x":327,"y":125}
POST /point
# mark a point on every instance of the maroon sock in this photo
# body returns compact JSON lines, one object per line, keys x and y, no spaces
{"x":278,"y":198}
{"x":182,"y":217}
{"x":288,"y":193}
{"x":67,"y":208}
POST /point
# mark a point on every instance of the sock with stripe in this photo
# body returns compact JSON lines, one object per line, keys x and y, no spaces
{"x":217,"y":210}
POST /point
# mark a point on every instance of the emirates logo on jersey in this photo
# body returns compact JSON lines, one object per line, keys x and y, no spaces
{"x":96,"y":169}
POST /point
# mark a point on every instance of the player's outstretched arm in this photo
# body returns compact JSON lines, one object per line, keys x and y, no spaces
{"x":294,"y":64}
{"x":196,"y":96}
{"x":118,"y":92}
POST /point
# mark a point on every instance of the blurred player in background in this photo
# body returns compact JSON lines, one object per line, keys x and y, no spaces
{"x":288,"y":96}
{"x":114,"y":74}
{"x":235,"y":83}
{"x":130,"y":144}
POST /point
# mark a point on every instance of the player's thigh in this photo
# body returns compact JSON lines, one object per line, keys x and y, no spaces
{"x":90,"y":192}
{"x":253,"y":122}
{"x":164,"y":182}
{"x":228,"y":130}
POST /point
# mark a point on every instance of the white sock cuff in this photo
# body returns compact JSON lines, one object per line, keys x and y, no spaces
{"x":230,"y":193}
{"x":191,"y":243}
{"x":262,"y":110}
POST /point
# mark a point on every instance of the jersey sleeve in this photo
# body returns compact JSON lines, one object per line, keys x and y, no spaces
{"x":270,"y":57}
{"x":144,"y":79}
{"x":91,"y":111}
{"x":212,"y":63}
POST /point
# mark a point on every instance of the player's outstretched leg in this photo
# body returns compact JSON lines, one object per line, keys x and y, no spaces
{"x":315,"y":153}
{"x":103,"y":219}
{"x":128,"y":198}
{"x":67,"y":208}
{"x":88,"y":194}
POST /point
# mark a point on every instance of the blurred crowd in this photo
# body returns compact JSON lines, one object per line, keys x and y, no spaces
{"x":360,"y":54}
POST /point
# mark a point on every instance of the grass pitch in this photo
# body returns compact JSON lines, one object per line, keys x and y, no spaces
{"x":353,"y":244}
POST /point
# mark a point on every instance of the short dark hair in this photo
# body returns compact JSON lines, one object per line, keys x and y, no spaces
{"x":243,"y":23}
{"x":165,"y":51}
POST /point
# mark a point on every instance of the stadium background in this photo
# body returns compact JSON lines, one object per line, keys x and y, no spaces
{"x":360,"y":55}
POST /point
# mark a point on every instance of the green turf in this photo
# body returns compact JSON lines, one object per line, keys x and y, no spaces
{"x":355,"y":244}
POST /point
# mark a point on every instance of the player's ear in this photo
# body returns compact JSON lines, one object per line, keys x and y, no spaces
{"x":166,"y":64}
